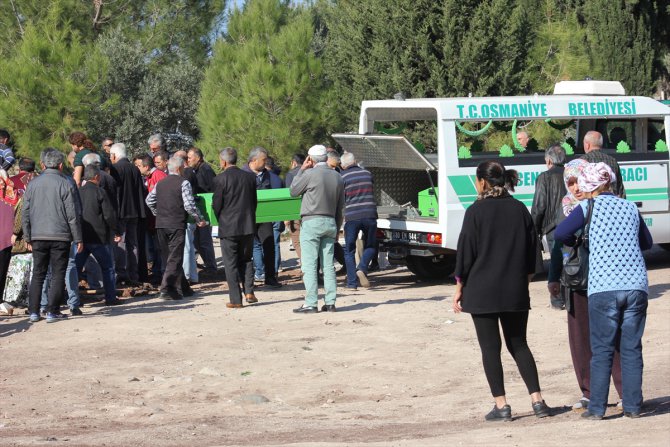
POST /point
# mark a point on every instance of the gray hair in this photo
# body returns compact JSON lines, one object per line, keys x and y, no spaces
{"x":52,"y":158}
{"x":119,"y":149}
{"x":91,"y":171}
{"x":174,"y":164}
{"x":595,"y":138}
{"x":347,"y":159}
{"x":158,"y":138}
{"x":555,"y":154}
{"x":91,"y":159}
{"x":229,"y":155}
{"x":255,"y":152}
{"x":319,"y":158}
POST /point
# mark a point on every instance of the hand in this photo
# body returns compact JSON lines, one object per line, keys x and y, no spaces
{"x":458,"y":297}
{"x":13,"y":239}
{"x":202,"y":223}
{"x":30,"y":246}
{"x":117,"y":238}
{"x":309,"y":163}
{"x":80,"y":247}
{"x":554,"y":288}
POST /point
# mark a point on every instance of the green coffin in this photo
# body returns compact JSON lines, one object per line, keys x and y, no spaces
{"x":274,"y":205}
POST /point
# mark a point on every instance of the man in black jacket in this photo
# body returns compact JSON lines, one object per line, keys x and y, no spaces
{"x":170,"y":201}
{"x":234,"y":203}
{"x":204,"y":175}
{"x":264,"y":231}
{"x":547,"y":214}
{"x":99,"y":228}
{"x":130,"y":189}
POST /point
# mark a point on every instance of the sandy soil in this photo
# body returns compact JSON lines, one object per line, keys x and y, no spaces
{"x":393,"y":367}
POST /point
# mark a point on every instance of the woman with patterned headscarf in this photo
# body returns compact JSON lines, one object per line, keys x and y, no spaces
{"x":9,"y":197}
{"x":577,"y":305}
{"x":617,"y":286}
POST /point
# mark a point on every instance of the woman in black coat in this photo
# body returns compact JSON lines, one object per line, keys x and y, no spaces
{"x":496,"y":257}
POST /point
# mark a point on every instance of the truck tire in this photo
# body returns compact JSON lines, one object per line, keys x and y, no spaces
{"x":432,"y":268}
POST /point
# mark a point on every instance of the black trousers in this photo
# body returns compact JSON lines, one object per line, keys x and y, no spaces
{"x":514,"y":326}
{"x":5,"y":257}
{"x":237,"y":254}
{"x":171,"y":242}
{"x":45,"y":253}
{"x":266,"y":236}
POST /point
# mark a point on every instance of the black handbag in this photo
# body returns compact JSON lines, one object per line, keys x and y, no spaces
{"x":575,"y":273}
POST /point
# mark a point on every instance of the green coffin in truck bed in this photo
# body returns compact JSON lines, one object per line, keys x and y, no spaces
{"x":274,"y":205}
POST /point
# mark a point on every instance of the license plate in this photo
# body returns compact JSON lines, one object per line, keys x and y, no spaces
{"x":406,"y":236}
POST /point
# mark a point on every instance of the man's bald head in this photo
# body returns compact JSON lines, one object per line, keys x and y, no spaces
{"x":522,"y":138}
{"x":593,"y":141}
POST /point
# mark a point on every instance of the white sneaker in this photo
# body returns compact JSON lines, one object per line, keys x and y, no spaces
{"x":583,"y":404}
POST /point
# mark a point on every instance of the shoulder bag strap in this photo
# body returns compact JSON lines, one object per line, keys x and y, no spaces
{"x":587,"y":223}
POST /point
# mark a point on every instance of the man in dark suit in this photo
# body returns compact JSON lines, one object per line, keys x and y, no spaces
{"x":234,"y":203}
{"x":130,"y":189}
{"x":99,"y":228}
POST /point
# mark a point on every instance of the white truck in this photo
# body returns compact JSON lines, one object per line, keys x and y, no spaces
{"x":422,"y":197}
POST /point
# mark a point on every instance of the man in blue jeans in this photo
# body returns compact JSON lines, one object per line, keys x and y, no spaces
{"x":321,"y":210}
{"x":99,"y":228}
{"x":360,"y":214}
{"x":51,"y":222}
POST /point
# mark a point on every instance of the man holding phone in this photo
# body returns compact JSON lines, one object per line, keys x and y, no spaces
{"x":322,"y":192}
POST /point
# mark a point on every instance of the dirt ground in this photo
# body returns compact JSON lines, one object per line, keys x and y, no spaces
{"x":393,"y":367}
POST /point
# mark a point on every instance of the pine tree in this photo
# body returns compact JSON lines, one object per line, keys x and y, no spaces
{"x":264,"y":85}
{"x":377,"y":48}
{"x":620,"y":43}
{"x":48,"y":84}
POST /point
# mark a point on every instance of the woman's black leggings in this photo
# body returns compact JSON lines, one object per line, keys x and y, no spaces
{"x":514,"y":330}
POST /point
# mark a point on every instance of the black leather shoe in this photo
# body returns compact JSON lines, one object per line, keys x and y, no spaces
{"x":113,"y":303}
{"x":328,"y":308}
{"x":592,"y":417}
{"x":188,"y":292}
{"x":499,"y":414}
{"x":630,"y":414}
{"x":273,"y":284}
{"x":306,"y":310}
{"x":541,"y":409}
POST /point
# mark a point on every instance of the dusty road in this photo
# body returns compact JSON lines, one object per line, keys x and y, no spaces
{"x":393,"y":367}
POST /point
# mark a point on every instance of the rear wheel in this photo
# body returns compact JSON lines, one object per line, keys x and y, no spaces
{"x":435,"y":267}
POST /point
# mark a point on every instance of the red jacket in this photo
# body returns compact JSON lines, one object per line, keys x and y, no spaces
{"x":154,"y":177}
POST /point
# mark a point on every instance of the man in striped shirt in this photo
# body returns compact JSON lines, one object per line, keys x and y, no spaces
{"x":360,"y":214}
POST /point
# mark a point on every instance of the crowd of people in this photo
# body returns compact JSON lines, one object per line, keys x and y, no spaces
{"x":106,"y":221}
{"x":584,"y":198}
{"x":114,"y":222}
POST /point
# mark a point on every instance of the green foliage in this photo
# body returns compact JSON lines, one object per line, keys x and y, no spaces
{"x":622,"y":147}
{"x":620,"y":43}
{"x":490,"y":41}
{"x":661,"y":146}
{"x":49,"y":82}
{"x":264,"y":86}
{"x":506,"y":151}
{"x":166,"y":29}
{"x":559,"y":51}
{"x":376,"y":48}
{"x":140,"y":100}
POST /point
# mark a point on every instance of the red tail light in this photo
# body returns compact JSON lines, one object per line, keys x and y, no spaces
{"x":434,"y":238}
{"x":380,"y":234}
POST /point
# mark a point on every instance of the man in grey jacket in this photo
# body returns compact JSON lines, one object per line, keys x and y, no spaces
{"x":50,"y":221}
{"x":321,"y":211}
